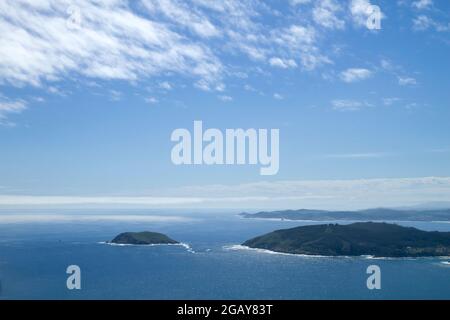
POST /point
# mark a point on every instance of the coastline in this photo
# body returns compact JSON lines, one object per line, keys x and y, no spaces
{"x":239,"y":247}
{"x":180,"y":244}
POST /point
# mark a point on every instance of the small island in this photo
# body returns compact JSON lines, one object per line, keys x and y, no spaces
{"x":143,"y":238}
{"x":357,"y":239}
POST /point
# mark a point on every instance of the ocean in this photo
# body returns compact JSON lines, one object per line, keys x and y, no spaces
{"x":36,"y":247}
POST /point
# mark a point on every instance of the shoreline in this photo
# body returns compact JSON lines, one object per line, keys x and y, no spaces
{"x":239,"y":247}
{"x":180,"y":244}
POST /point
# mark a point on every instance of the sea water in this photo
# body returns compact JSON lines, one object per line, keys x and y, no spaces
{"x":36,"y":247}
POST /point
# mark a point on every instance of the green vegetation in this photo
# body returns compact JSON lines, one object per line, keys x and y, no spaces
{"x":363,"y":238}
{"x":143,"y":238}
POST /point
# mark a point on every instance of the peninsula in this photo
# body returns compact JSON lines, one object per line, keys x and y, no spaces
{"x":357,"y":239}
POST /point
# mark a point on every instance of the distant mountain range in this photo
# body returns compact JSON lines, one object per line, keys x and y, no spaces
{"x":379,"y":214}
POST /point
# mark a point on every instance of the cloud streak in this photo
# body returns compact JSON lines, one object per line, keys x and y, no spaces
{"x":355,"y":74}
{"x":323,"y":194}
{"x":8,"y":107}
{"x":39,"y":42}
{"x":49,"y":41}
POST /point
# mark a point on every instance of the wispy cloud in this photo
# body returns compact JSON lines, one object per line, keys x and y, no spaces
{"x":323,"y":194}
{"x":226,"y":98}
{"x":357,"y":155}
{"x":422,"y":4}
{"x":348,"y":105}
{"x":70,"y":218}
{"x":325,"y":13}
{"x":165,"y":85}
{"x":407,"y":81}
{"x":282,"y":63}
{"x":77,"y":200}
{"x":360,"y":10}
{"x":151,"y":100}
{"x":355,"y":74}
{"x":112,"y":42}
{"x":423,"y":22}
{"x":278,"y":96}
{"x":7,"y":107}
{"x":390,"y":101}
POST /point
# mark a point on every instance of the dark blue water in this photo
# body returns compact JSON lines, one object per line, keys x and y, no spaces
{"x":34,"y":257}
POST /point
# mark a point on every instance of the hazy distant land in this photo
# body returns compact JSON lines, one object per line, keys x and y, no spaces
{"x":379,"y":214}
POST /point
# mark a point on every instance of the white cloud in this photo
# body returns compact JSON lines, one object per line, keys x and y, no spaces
{"x":298,"y":40}
{"x":348,"y":105}
{"x":299,"y":2}
{"x":278,"y":96}
{"x":282,"y":63}
{"x":202,"y":85}
{"x":70,"y":218}
{"x":387,"y":65}
{"x":423,"y":22}
{"x":406,"y":81}
{"x":7,"y":107}
{"x":357,"y":155}
{"x":115,"y":95}
{"x":333,"y":194}
{"x":422,"y":4}
{"x":179,"y":13}
{"x":112,"y":42}
{"x":325,"y":14}
{"x":360,"y":10}
{"x":355,"y":74}
{"x":225,"y":98}
{"x":390,"y":101}
{"x":293,"y":194}
{"x":76,"y":200}
{"x":220,"y":87}
{"x":137,"y":40}
{"x":151,"y":100}
{"x":165,"y":85}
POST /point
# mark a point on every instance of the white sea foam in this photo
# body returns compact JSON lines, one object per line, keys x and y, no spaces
{"x":236,"y":247}
{"x":368,"y":257}
{"x":181,"y":244}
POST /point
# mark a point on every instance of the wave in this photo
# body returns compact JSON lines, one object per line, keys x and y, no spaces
{"x":181,"y":244}
{"x":237,"y":247}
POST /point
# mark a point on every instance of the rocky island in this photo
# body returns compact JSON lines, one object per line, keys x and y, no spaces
{"x":357,"y":239}
{"x":143,"y":238}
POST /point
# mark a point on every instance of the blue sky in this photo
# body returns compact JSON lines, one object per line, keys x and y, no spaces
{"x":90,"y":92}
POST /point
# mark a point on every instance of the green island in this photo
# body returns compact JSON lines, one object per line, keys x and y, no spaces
{"x":357,"y":239}
{"x":142,"y":238}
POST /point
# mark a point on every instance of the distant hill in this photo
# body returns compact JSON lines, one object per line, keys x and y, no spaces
{"x":362,"y":238}
{"x":143,"y":238}
{"x":379,"y":214}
